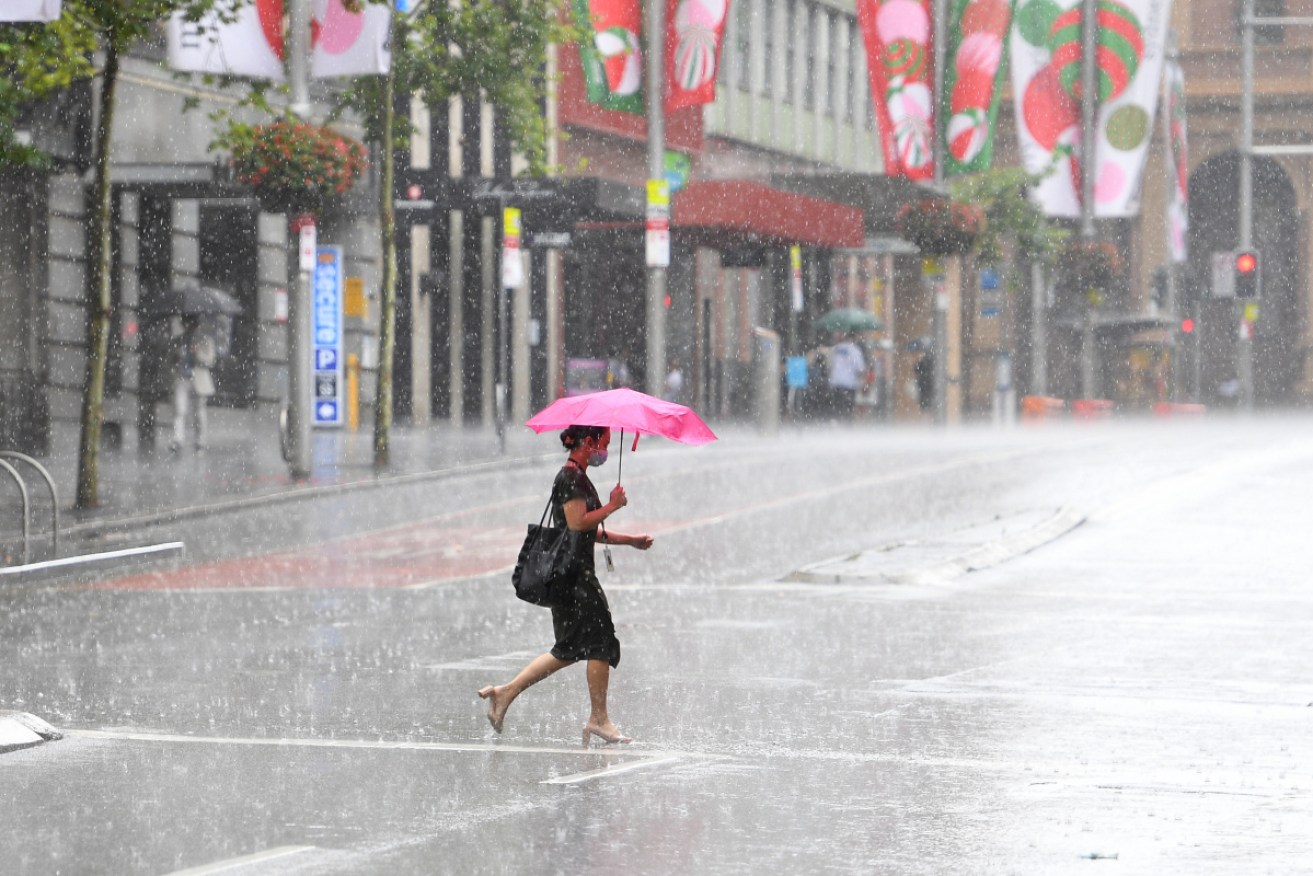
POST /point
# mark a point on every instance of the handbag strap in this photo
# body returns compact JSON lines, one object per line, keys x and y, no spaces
{"x":543,"y":519}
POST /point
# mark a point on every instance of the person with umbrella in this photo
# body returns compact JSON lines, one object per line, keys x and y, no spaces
{"x":195,"y":353}
{"x":581,"y":617}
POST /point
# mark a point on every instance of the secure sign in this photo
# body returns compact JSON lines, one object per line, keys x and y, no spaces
{"x":326,"y":336}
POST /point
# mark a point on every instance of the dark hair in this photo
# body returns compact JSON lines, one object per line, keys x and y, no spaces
{"x":572,"y":436}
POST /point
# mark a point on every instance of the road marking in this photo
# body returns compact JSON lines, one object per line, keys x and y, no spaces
{"x":165,"y":549}
{"x":369,"y":744}
{"x":608,"y":771}
{"x":245,"y":860}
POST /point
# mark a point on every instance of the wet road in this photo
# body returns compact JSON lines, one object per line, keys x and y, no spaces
{"x":1132,"y":696}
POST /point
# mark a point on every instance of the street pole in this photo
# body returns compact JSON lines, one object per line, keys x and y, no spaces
{"x":299,"y":457}
{"x":1244,"y":343}
{"x":1039,"y":362}
{"x":938,"y":288}
{"x":1089,"y":167}
{"x":1170,"y":293}
{"x":656,"y":170}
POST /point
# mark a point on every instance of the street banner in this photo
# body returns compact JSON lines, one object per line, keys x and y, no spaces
{"x":350,"y":43}
{"x":695,"y":34}
{"x":327,"y":336}
{"x":611,"y":52}
{"x":896,"y":34}
{"x":344,"y":43}
{"x":1178,"y":162}
{"x":977,"y":57}
{"x":250,"y":45}
{"x":29,"y":10}
{"x":1046,"y":75}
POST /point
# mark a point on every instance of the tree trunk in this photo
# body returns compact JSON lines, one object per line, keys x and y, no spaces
{"x":99,"y":303}
{"x":387,"y":323}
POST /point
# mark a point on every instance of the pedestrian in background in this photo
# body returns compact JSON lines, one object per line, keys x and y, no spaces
{"x":674,"y":388}
{"x":581,"y":617}
{"x":195,"y":354}
{"x":847,"y":370}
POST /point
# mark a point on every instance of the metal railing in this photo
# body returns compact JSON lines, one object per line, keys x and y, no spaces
{"x":26,"y":499}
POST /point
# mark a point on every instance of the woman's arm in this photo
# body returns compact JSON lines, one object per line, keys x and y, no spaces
{"x":642,"y":542}
{"x":580,"y":519}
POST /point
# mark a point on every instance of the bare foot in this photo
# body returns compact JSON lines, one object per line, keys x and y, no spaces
{"x":606,"y":731}
{"x":496,"y":708}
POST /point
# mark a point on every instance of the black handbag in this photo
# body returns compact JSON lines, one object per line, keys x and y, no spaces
{"x":549,"y":557}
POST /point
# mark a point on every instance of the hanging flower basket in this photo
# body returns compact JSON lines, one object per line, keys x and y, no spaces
{"x":1090,"y":264}
{"x":939,"y":227}
{"x":294,"y":167}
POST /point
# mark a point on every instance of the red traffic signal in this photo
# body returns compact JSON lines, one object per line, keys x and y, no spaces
{"x":1247,"y":274}
{"x":1187,"y":326}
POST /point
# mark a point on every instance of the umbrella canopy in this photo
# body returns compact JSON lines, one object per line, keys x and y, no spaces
{"x":194,"y":299}
{"x":849,"y":319}
{"x":627,"y":410}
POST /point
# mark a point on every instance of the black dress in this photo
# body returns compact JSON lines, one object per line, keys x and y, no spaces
{"x":581,"y":617}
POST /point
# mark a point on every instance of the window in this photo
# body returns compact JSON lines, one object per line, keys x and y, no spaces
{"x":807,"y":40}
{"x":742,"y":39}
{"x":832,"y":83}
{"x":791,"y":48}
{"x":1269,"y":35}
{"x":765,"y":13}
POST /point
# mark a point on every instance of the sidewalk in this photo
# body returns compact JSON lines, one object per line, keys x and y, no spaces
{"x":243,"y":465}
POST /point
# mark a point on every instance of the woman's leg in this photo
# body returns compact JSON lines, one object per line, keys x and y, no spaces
{"x":599,"y":723}
{"x":502,"y":696}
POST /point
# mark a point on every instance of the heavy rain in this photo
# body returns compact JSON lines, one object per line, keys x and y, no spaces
{"x":918,"y":424}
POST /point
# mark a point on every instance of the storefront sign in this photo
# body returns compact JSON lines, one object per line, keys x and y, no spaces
{"x":326,"y":322}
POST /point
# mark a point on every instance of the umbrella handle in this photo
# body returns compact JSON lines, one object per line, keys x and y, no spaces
{"x":621,"y":469}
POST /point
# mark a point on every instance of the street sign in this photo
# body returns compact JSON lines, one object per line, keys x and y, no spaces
{"x":991,"y":293}
{"x":512,"y":260}
{"x":795,"y":277}
{"x":1224,"y":274}
{"x":658,"y":223}
{"x":678,"y":167}
{"x":326,"y":336}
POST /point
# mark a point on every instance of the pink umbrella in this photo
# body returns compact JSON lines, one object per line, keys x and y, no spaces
{"x":628,"y":411}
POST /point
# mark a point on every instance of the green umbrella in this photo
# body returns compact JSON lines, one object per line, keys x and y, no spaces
{"x":849,"y":319}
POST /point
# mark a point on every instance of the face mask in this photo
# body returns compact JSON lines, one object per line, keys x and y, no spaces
{"x":597,"y":457}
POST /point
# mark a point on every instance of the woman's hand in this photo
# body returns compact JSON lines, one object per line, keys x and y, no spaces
{"x":642,"y":543}
{"x":618,"y":497}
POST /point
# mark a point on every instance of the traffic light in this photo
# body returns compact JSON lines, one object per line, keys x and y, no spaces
{"x":1247,"y":274}
{"x":1187,"y":326}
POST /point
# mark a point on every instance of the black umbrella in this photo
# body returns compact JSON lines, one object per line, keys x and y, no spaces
{"x":193,"y":299}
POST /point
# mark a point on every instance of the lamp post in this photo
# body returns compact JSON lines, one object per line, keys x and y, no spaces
{"x":656,"y":171}
{"x":939,"y":291}
{"x":301,"y":235}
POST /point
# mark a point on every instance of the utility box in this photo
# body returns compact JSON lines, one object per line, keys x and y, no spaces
{"x":767,"y":362}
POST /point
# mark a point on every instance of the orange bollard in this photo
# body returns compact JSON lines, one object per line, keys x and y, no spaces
{"x":1088,"y":409}
{"x":1036,"y":408}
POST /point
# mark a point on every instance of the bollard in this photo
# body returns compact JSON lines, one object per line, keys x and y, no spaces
{"x":1035,"y":408}
{"x":1091,"y":409}
{"x":1171,"y":410}
{"x":352,"y":392}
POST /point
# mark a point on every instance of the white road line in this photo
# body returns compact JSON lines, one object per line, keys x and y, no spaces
{"x":244,"y":861}
{"x":608,"y":771}
{"x":165,"y":549}
{"x":373,"y":744}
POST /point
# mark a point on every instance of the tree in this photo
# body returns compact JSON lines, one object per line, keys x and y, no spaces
{"x":41,"y":58}
{"x":1012,"y":221}
{"x":442,"y":50}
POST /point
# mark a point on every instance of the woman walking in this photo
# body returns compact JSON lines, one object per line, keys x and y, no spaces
{"x":581,"y":617}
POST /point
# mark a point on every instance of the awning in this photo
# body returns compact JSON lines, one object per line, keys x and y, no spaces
{"x":754,"y":211}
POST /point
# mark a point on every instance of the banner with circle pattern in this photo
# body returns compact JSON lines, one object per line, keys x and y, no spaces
{"x":1046,"y":81}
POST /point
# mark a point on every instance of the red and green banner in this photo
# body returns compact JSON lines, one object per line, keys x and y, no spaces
{"x":896,"y":34}
{"x":695,"y":33}
{"x":1178,"y":161}
{"x":611,"y":52}
{"x":977,"y":58}
{"x":1046,"y":84}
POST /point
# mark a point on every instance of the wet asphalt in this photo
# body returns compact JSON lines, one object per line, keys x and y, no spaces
{"x":815,"y":680}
